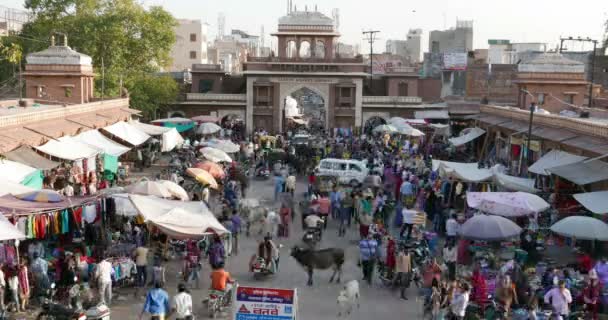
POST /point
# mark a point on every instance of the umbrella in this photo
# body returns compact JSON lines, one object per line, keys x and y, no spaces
{"x":202,"y":176}
{"x":385,"y":128}
{"x":489,"y":228}
{"x":204,"y":119}
{"x":152,"y":188}
{"x":8,"y":231}
{"x":208,"y":128}
{"x":215,"y":155}
{"x":507,"y":204}
{"x":406,"y":129}
{"x":581,"y":227}
{"x":224,"y":145}
{"x":396,"y":120}
{"x":175,"y":189}
{"x":216,"y":171}
{"x":43,"y":195}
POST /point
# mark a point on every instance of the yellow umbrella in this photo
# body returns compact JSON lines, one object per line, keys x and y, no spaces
{"x":202,"y":176}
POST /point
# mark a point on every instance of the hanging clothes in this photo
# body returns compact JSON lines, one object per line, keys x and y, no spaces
{"x":65,"y":222}
{"x":90,"y":213}
{"x":77,"y":212}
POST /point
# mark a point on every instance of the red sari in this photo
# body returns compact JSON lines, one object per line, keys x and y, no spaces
{"x":391,"y":259}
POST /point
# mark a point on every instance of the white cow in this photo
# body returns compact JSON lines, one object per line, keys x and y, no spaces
{"x":348,"y":297}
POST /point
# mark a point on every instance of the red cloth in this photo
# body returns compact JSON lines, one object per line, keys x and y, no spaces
{"x":585,"y":263}
{"x":480,"y":288}
{"x":391,"y":260}
{"x":363,"y":230}
{"x":311,"y":179}
{"x":78,"y":215}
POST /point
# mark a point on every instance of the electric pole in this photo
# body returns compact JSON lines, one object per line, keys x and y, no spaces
{"x":370,"y":37}
{"x":592,"y":67}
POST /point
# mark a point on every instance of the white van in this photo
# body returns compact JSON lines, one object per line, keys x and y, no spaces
{"x":347,"y":171}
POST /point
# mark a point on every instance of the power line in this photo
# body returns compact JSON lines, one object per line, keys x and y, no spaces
{"x":370,"y":37}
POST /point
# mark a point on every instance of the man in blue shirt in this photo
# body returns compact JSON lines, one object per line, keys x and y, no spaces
{"x":368,"y":249}
{"x":157,"y":303}
{"x":336,"y":199}
{"x":407,"y":191}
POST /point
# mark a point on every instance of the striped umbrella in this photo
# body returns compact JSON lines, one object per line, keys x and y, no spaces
{"x":43,"y":195}
{"x":203,"y":177}
{"x":213,"y":168}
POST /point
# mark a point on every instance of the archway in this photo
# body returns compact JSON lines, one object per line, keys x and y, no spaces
{"x":305,"y":49}
{"x":291,"y":49}
{"x":373,"y":122}
{"x":312,"y":108}
{"x":320,"y":49}
{"x":176,"y":114}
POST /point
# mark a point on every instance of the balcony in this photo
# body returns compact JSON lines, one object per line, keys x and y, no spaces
{"x":357,"y":60}
{"x":388,"y":100}
{"x":216,"y":97}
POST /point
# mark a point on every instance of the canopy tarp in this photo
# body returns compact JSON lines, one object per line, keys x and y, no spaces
{"x":507,"y":204}
{"x":14,"y":171}
{"x":432,"y":114}
{"x":7,"y":187}
{"x":95,"y":139}
{"x":34,"y":180}
{"x":178,"y":219}
{"x":466,"y":172}
{"x":180,"y":124}
{"x":27,"y":156}
{"x":8,"y":231}
{"x":170,"y":137}
{"x":10,"y":204}
{"x":150,"y":128}
{"x":596,"y":202}
{"x":469,"y":136}
{"x":69,"y":149}
{"x":514,"y":183}
{"x":128,"y":133}
{"x":583,"y":173}
{"x":554,"y":158}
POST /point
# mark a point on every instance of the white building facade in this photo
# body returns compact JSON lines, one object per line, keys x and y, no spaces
{"x":190,"y":45}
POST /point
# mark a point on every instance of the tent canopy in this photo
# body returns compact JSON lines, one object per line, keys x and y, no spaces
{"x":69,"y":149}
{"x":466,"y":172}
{"x":95,"y":139}
{"x":149,"y":128}
{"x":514,"y":183}
{"x":170,"y":137}
{"x":14,"y":171}
{"x":173,"y":120}
{"x":583,"y":173}
{"x":7,"y":187}
{"x":10,"y":204}
{"x":128,"y":133}
{"x":596,"y":202}
{"x":471,"y":135}
{"x":554,"y":158}
{"x":178,"y":219}
{"x":507,"y":204}
{"x":8,"y":231}
{"x":27,"y":156}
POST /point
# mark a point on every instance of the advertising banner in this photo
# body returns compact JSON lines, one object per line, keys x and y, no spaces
{"x":253,"y":303}
{"x":455,"y":61}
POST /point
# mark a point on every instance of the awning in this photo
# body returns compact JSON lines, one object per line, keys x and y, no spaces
{"x":10,"y":204}
{"x":24,"y":136}
{"x":584,"y":172}
{"x":432,"y":114}
{"x":118,"y":114}
{"x":27,"y":156}
{"x":554,"y":158}
{"x":69,"y":149}
{"x":9,"y":231}
{"x":507,"y":204}
{"x":149,"y":128}
{"x":91,"y":120}
{"x":471,"y":135}
{"x":203,"y":119}
{"x":97,"y":140}
{"x":127,"y":133}
{"x":553,"y":134}
{"x":57,"y":128}
{"x":516,"y":126}
{"x":492,"y":120}
{"x":7,"y":187}
{"x":170,"y":138}
{"x":14,"y":171}
{"x":441,"y":129}
{"x":466,"y":172}
{"x":7,"y":144}
{"x":589,"y":144}
{"x":173,"y":120}
{"x":596,"y":202}
{"x":514,"y":183}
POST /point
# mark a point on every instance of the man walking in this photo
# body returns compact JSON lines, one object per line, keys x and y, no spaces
{"x":182,"y":304}
{"x":104,"y":279}
{"x":236,"y":229}
{"x":141,"y":261}
{"x":409,"y":217}
{"x":157,"y":303}
{"x":368,"y":249}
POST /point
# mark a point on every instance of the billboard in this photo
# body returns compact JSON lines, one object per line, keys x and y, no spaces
{"x":454,"y":61}
{"x":253,"y":303}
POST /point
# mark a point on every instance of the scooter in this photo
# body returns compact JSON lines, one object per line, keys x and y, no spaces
{"x":262,"y":173}
{"x":218,"y":301}
{"x":52,"y":310}
{"x":260,"y":269}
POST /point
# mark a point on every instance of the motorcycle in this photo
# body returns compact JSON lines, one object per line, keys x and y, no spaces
{"x":262,"y":173}
{"x":312,"y":237}
{"x":218,"y":301}
{"x":52,"y":310}
{"x":261,"y":269}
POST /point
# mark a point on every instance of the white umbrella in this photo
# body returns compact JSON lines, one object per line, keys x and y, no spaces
{"x":489,"y":228}
{"x":507,"y":204}
{"x":385,"y":128}
{"x":406,"y":129}
{"x":208,"y":128}
{"x":581,"y":227}
{"x":224,"y":145}
{"x":8,"y":231}
{"x":396,"y":120}
{"x":215,"y":155}
{"x":175,"y":189}
{"x":152,"y":188}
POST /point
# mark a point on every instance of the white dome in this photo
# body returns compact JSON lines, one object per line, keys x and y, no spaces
{"x":306,"y":18}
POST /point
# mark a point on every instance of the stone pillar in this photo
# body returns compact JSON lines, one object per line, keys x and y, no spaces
{"x":358,"y":102}
{"x":249,"y":106}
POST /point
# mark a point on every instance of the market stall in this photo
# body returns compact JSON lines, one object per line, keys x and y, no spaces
{"x":507,"y":204}
{"x":180,"y":124}
{"x":19,"y":173}
{"x":170,"y":137}
{"x":127,"y":133}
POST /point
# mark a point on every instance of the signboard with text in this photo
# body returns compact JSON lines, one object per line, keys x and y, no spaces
{"x":253,"y":303}
{"x":456,"y":61}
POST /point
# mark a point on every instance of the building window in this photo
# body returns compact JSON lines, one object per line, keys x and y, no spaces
{"x":403,"y":89}
{"x":193,"y":37}
{"x":68,"y":92}
{"x":205,"y":85}
{"x":345,"y":92}
{"x":569,"y":98}
{"x":41,"y":90}
{"x":192,"y":54}
{"x":541,"y":99}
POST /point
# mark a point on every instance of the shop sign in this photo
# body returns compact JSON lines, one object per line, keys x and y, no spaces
{"x":253,"y":303}
{"x":522,"y":141}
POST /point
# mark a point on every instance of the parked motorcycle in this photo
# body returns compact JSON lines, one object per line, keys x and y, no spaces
{"x":312,"y":237}
{"x":218,"y":301}
{"x":52,"y":310}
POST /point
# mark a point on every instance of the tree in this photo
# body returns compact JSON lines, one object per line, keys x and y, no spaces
{"x":128,"y":40}
{"x":153,"y":93}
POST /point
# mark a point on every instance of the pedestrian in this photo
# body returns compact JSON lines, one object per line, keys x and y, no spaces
{"x":278,"y":185}
{"x":560,"y":298}
{"x":368,"y":249}
{"x":403,"y":267}
{"x":24,"y":284}
{"x":40,"y":269}
{"x":157,"y":303}
{"x":235,"y":231}
{"x":13,"y":285}
{"x":451,"y":228}
{"x":591,"y":295}
{"x":409,"y":219}
{"x":285,"y":215}
{"x":182,"y":304}
{"x":216,"y":251}
{"x":460,"y":302}
{"x":103,"y":274}
{"x":158,"y":272}
{"x":449,"y":258}
{"x":290,"y":184}
{"x":346,"y":212}
{"x":335,"y":198}
{"x":140,"y":254}
{"x":2,"y":287}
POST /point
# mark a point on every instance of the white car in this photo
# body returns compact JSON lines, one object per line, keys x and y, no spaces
{"x":351,"y":172}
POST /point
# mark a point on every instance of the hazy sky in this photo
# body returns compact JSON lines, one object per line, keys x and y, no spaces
{"x":516,"y":20}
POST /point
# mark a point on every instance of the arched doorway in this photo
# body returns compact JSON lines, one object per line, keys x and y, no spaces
{"x":291,"y":49}
{"x":312,"y":108}
{"x":373,"y":122}
{"x":320,"y":50}
{"x":305,"y":49}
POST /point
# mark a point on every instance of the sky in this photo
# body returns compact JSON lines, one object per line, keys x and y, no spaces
{"x":515,"y":20}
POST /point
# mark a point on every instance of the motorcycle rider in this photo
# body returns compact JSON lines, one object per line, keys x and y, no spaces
{"x":221,"y":281}
{"x":268,"y":251}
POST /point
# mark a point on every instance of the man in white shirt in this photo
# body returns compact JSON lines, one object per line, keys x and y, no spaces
{"x":104,"y":279}
{"x":451,"y":228}
{"x":459,"y":304}
{"x":449,"y":257}
{"x":182,"y":304}
{"x":409,"y":219}
{"x":560,"y":298}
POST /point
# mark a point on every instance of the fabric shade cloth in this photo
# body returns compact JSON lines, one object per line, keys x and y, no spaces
{"x":470,"y":135}
{"x":405,"y":129}
{"x":175,"y":189}
{"x":552,"y":159}
{"x":14,"y":171}
{"x":27,"y":156}
{"x":150,"y":128}
{"x":596,"y":202}
{"x":489,"y":228}
{"x":67,"y":148}
{"x":507,"y":204}
{"x":208,"y":128}
{"x":466,"y":172}
{"x":203,"y":177}
{"x":396,"y":120}
{"x":582,"y":173}
{"x":385,"y":128}
{"x":10,"y":203}
{"x":173,"y":120}
{"x":8,"y":231}
{"x":152,"y":188}
{"x":128,"y":133}
{"x":215,"y":155}
{"x":45,"y":195}
{"x":213,"y":168}
{"x":224,"y":145}
{"x":583,"y":228}
{"x":170,"y":138}
{"x":7,"y":187}
{"x":178,"y":219}
{"x":514,"y":183}
{"x":124,"y":206}
{"x":34,"y":180}
{"x":95,"y":139}
{"x":204,"y":119}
